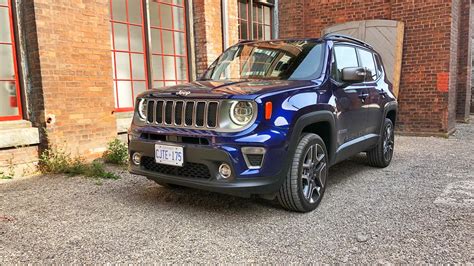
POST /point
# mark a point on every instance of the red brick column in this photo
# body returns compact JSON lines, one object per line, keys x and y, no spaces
{"x":73,"y":74}
{"x":208,"y":32}
{"x":463,"y":90}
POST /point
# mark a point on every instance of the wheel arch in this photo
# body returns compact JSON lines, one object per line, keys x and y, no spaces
{"x":318,"y":122}
{"x":390,"y":112}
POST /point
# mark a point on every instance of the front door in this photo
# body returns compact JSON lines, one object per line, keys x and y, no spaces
{"x":349,"y":99}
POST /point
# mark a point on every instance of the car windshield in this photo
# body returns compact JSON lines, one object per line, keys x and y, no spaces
{"x":276,"y":60}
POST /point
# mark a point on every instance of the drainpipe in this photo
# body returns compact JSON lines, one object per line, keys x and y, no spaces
{"x":225,"y":25}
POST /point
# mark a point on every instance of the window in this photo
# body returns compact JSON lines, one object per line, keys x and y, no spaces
{"x":255,"y":19}
{"x":276,"y":60}
{"x":164,"y":54}
{"x":10,"y":102}
{"x":344,"y":56}
{"x":168,"y":43}
{"x":367,"y":61}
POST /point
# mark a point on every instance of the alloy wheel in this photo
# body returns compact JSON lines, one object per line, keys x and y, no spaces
{"x":313,"y":173}
{"x":388,"y":143}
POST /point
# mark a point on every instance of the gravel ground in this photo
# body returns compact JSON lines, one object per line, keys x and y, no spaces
{"x":419,"y":209}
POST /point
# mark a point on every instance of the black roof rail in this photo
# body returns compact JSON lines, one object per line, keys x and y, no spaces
{"x":342,"y":37}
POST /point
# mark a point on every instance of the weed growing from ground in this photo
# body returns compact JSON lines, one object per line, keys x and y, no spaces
{"x":55,"y":161}
{"x":116,"y":153}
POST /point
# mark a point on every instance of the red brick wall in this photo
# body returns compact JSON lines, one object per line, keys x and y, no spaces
{"x":429,"y":42}
{"x":207,"y":32}
{"x":464,"y":63}
{"x":72,"y":73}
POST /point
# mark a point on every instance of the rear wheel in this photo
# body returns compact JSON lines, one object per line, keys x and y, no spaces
{"x":305,"y":183}
{"x":382,"y":154}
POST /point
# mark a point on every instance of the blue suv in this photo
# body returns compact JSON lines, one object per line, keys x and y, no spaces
{"x":268,"y":119}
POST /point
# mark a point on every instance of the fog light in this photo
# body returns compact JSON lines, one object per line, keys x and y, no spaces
{"x":136,"y":158}
{"x":225,"y":171}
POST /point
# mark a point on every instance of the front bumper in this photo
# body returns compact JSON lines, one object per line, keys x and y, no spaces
{"x":243,"y":182}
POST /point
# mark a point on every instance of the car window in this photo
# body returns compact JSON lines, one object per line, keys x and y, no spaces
{"x":367,"y":61}
{"x":275,"y":60}
{"x":379,"y":65}
{"x":344,"y":56}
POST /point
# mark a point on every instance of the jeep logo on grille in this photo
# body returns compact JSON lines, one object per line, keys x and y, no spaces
{"x":183,"y":93}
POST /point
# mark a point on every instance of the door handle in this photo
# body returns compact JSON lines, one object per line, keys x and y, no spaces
{"x":363,"y":95}
{"x":382,"y":92}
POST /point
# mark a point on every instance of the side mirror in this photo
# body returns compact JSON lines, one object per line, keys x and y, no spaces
{"x":354,"y":74}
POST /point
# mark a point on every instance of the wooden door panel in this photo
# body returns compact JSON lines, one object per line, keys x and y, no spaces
{"x":386,"y":36}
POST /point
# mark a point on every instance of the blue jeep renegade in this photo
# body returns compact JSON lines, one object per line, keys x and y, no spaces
{"x":268,"y":118}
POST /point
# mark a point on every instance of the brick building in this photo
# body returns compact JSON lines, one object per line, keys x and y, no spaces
{"x":69,"y":70}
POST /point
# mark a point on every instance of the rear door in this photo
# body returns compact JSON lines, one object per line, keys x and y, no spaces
{"x":351,"y":114}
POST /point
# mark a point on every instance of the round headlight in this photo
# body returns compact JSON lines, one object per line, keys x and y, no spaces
{"x":241,"y":112}
{"x":142,"y":108}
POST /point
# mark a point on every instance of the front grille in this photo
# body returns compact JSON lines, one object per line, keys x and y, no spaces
{"x":190,"y":170}
{"x":183,"y":113}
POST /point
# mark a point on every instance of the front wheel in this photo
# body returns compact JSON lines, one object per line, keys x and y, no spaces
{"x":305,"y":183}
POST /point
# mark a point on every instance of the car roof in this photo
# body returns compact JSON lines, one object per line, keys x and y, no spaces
{"x":327,"y":37}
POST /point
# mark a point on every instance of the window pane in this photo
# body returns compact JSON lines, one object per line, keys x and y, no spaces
{"x":168,"y":42}
{"x":180,"y":44}
{"x":267,"y":15}
{"x":255,"y":30}
{"x":243,"y":31}
{"x":367,"y":60}
{"x":120,"y":36}
{"x":123,"y":65}
{"x":178,"y":16}
{"x":155,"y":41}
{"x":134,"y":12}
{"x":125,"y":94}
{"x":158,"y":84}
{"x":170,"y":83}
{"x":119,"y":11}
{"x":138,"y":87}
{"x":268,"y":33}
{"x":260,"y":31}
{"x":181,"y":68}
{"x":170,"y":73}
{"x":166,"y":20}
{"x":157,"y":66}
{"x":4,"y":25}
{"x":4,"y":2}
{"x":138,"y":66}
{"x":243,"y":9}
{"x":8,"y":99}
{"x":260,"y":14}
{"x":6,"y":58}
{"x":136,"y":38}
{"x":153,"y":14}
{"x":345,"y":57}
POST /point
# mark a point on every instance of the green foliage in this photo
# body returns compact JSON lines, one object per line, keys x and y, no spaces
{"x":4,"y":175}
{"x":116,"y":153}
{"x":55,"y":161}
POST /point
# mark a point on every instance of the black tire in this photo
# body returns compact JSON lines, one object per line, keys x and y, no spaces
{"x":382,"y":154}
{"x":301,"y":181}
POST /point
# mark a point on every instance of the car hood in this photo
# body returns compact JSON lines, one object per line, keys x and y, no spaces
{"x":227,"y":89}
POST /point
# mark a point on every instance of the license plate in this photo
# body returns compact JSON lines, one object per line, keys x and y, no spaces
{"x":170,"y":155}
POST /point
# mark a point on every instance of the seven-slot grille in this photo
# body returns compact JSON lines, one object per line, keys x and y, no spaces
{"x":183,"y":113}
